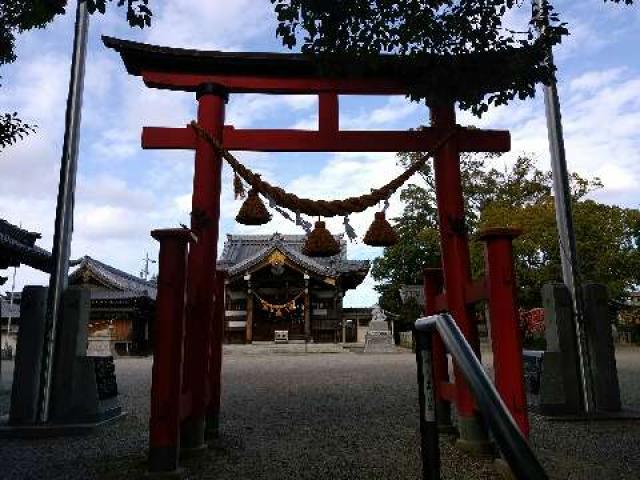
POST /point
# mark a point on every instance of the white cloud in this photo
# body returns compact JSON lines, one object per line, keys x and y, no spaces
{"x":267,"y":111}
{"x":106,"y":222}
{"x":600,"y":115}
{"x":593,"y":80}
{"x":213,"y":25}
{"x":393,"y":114}
{"x":616,"y":179}
{"x":107,"y":189}
{"x":363,"y":296}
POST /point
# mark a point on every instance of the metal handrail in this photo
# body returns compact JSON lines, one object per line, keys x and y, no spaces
{"x":512,"y":443}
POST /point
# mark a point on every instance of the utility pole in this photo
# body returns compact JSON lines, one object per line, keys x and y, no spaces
{"x":564,"y":220}
{"x":64,"y":209}
{"x":144,"y":274}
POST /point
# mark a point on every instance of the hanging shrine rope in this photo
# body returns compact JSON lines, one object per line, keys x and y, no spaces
{"x":278,"y":309}
{"x":320,"y":208}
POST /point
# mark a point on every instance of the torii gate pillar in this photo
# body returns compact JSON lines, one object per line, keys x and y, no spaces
{"x":454,"y":245}
{"x":201,"y":286}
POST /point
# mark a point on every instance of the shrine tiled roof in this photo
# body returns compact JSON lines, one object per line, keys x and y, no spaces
{"x":395,"y":73}
{"x":17,"y":246}
{"x":121,"y":283}
{"x":242,"y":252}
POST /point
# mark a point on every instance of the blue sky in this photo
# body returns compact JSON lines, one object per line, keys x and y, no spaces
{"x":124,"y":192}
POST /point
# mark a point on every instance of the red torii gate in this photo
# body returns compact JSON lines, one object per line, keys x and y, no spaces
{"x":186,"y":378}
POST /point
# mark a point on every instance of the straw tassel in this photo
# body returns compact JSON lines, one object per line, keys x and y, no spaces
{"x":253,"y":211}
{"x":380,"y":233}
{"x":320,"y":242}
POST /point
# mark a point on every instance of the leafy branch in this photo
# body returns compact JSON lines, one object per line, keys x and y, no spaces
{"x":12,"y":129}
{"x":18,"y":16}
{"x":433,"y":36}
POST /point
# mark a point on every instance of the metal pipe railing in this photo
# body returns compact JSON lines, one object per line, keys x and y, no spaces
{"x":512,"y":443}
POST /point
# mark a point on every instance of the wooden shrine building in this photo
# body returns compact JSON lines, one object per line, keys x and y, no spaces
{"x":272,"y":286}
{"x":122,"y":306}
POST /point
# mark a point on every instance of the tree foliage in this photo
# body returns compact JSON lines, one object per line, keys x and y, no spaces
{"x":608,"y":237}
{"x":12,"y":129}
{"x":433,"y":34}
{"x":18,"y":16}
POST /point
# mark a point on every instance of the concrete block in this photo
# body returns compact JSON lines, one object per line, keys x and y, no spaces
{"x":75,"y":393}
{"x":71,"y":378}
{"x":560,"y":377}
{"x":26,"y":375}
{"x":552,"y":390}
{"x":602,"y":359}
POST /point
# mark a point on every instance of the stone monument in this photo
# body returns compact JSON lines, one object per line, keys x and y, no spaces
{"x":84,"y":391}
{"x":559,"y":378}
{"x":378,"y":338}
{"x":560,"y":390}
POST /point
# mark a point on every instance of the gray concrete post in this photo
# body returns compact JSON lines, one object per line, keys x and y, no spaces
{"x":560,"y":391}
{"x":601,"y":348}
{"x":26,"y":375}
{"x":74,"y":391}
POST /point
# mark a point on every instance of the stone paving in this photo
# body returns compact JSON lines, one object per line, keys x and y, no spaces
{"x":320,"y":415}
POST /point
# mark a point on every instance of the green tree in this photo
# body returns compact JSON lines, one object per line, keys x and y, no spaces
{"x":434,"y":35}
{"x":608,"y":237}
{"x":18,"y":16}
{"x":607,"y":241}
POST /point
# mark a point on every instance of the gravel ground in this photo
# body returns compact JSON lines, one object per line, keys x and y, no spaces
{"x":337,"y":416}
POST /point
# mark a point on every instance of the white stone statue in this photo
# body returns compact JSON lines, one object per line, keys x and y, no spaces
{"x":378,"y":338}
{"x":377,"y":314}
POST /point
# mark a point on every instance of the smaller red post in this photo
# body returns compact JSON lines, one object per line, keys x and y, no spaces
{"x":215,"y":359}
{"x":503,"y":317}
{"x":432,"y":287}
{"x":168,"y":350}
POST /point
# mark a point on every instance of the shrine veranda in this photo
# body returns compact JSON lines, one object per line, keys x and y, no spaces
{"x":186,"y":396}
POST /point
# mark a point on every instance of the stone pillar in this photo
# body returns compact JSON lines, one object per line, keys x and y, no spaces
{"x":560,"y":377}
{"x":73,"y":380}
{"x":26,"y":375}
{"x":74,"y":386}
{"x":602,"y":355}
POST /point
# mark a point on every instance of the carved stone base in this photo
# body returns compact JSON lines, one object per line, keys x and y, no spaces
{"x":378,"y":342}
